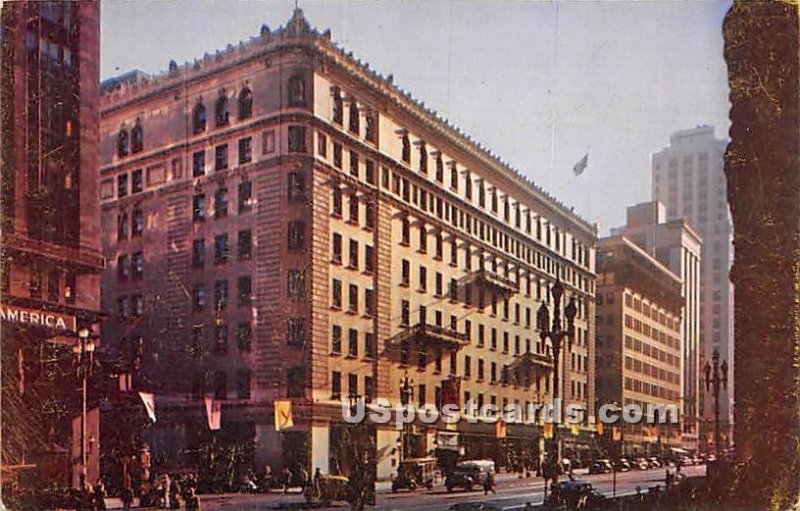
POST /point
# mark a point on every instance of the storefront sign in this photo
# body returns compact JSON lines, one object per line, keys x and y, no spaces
{"x":34,"y":317}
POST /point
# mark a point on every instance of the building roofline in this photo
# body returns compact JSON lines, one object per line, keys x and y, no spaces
{"x":298,"y":30}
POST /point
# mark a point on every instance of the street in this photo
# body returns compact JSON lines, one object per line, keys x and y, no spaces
{"x":511,"y":493}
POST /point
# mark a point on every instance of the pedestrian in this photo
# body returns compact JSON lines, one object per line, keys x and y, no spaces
{"x":488,"y":484}
{"x":266,"y":479}
{"x":100,"y":495}
{"x":287,"y":479}
{"x":85,"y":496}
{"x":305,"y":479}
{"x":192,"y":500}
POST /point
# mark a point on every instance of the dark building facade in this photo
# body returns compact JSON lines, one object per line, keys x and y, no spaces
{"x":51,"y":259}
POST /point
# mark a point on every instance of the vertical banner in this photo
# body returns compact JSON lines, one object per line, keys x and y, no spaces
{"x":149,"y":401}
{"x":283,"y":415}
{"x":500,"y":429}
{"x":213,"y":413}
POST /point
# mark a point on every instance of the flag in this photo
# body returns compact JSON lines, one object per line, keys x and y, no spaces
{"x":616,"y":433}
{"x":548,"y":430}
{"x":575,"y":429}
{"x":213,"y":413}
{"x":600,"y":428}
{"x":283,"y":415}
{"x":500,"y":429}
{"x":149,"y":401}
{"x":581,"y":165}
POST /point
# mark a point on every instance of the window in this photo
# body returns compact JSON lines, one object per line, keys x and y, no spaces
{"x":337,"y":155}
{"x":369,"y":215}
{"x":354,"y":164}
{"x":243,"y":377}
{"x":369,"y":255}
{"x":221,"y":157}
{"x":322,"y":145}
{"x":297,"y":91}
{"x":371,"y":128}
{"x":268,"y":142}
{"x":245,"y":103}
{"x":338,"y":108}
{"x":295,"y":184}
{"x":406,"y":232}
{"x":423,"y":278}
{"x":423,"y":158}
{"x":177,"y":168}
{"x":245,"y":197}
{"x":122,"y":142}
{"x":296,"y":381}
{"x":221,"y":203}
{"x":352,"y":343}
{"x":353,"y":255}
{"x":296,"y":235}
{"x":221,"y":249}
{"x":199,"y":118}
{"x":122,"y":307}
{"x":353,"y":302}
{"x":137,"y":265}
{"x":295,"y":284}
{"x":220,"y":385}
{"x":137,"y":227}
{"x":295,"y":332}
{"x":406,"y":149}
{"x":353,"y":204}
{"x":138,"y":305}
{"x":454,"y":177}
{"x":220,"y":338}
{"x":245,"y":150}
{"x":220,"y":294}
{"x":198,"y":298}
{"x":336,"y":385}
{"x":221,"y":110}
{"x":198,"y":253}
{"x":405,"y":278}
{"x":336,"y":340}
{"x":244,"y":336}
{"x":137,"y":181}
{"x":439,"y":169}
{"x":245,"y":290}
{"x":336,"y":248}
{"x":369,"y":167}
{"x":297,"y":139}
{"x":336,"y":200}
{"x":245,"y":242}
{"x":122,"y":185}
{"x":122,"y":226}
{"x":123,"y":267}
{"x":198,"y":163}
{"x":405,"y":315}
{"x":423,"y":238}
{"x":354,"y":118}
{"x":336,"y":294}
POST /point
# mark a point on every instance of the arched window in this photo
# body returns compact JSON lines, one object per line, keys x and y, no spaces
{"x":354,"y":119}
{"x":406,"y":149}
{"x":338,"y":111}
{"x":221,"y":110}
{"x":199,"y":117}
{"x":245,"y":103}
{"x":297,"y":91}
{"x":137,"y":137}
{"x":122,"y":142}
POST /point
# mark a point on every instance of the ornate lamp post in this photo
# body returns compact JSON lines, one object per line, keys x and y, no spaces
{"x":83,"y":349}
{"x":557,"y":335}
{"x":406,"y":396}
{"x":716,"y":378}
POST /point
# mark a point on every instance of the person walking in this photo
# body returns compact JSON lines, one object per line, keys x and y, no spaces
{"x":488,"y":484}
{"x":287,"y":479}
{"x":100,"y":495}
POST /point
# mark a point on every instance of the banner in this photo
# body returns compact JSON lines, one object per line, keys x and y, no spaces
{"x":616,"y":434}
{"x":149,"y":401}
{"x":548,"y":430}
{"x":600,"y":426}
{"x":575,"y":429}
{"x":283,"y":415}
{"x":500,"y":429}
{"x":213,"y":413}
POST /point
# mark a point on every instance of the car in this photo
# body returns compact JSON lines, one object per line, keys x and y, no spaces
{"x":476,"y":506}
{"x":623,"y":465}
{"x":572,"y":494}
{"x":654,"y":462}
{"x":469,"y":474}
{"x":641,"y":464}
{"x":601,"y":466}
{"x":711,"y":458}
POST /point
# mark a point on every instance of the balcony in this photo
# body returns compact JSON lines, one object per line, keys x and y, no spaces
{"x":534,"y":362}
{"x":490,"y":281}
{"x":430,"y":335}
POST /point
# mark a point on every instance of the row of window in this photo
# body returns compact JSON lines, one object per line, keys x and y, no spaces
{"x":245,"y":202}
{"x":353,"y":254}
{"x":218,"y":382}
{"x":639,"y":366}
{"x":353,"y":301}
{"x":369,"y":346}
{"x":653,"y":352}
{"x":130,"y":267}
{"x":244,"y":295}
{"x":651,"y":389}
{"x":653,"y":333}
{"x":55,"y":277}
{"x":219,"y":346}
{"x":352,"y":385}
{"x":354,"y":117}
{"x":130,"y":226}
{"x":222,"y":250}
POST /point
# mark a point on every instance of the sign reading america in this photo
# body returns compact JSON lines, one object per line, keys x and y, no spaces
{"x":33,"y":317}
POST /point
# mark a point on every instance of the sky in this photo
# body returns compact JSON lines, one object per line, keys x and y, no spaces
{"x":539,"y":83}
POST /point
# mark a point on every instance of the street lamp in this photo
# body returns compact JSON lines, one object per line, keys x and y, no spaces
{"x":716,"y":378}
{"x":83,"y":349}
{"x":557,"y":334}
{"x":406,"y":396}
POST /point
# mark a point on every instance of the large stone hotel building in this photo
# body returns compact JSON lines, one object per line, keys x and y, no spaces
{"x":284,"y":223}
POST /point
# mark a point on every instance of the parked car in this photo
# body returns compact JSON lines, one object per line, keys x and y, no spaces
{"x":469,"y":474}
{"x":641,"y":464}
{"x":476,"y":506}
{"x":415,"y":473}
{"x":654,"y":462}
{"x":577,"y":494}
{"x":602,"y":466}
{"x":623,"y":465}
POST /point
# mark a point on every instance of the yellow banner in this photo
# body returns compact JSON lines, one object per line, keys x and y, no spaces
{"x":548,"y":430}
{"x":283,"y":415}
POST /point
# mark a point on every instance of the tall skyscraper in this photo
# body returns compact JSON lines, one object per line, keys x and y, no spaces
{"x":676,"y":245}
{"x":51,"y":260}
{"x":688,"y":178}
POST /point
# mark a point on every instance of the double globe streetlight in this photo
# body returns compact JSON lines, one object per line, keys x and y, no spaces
{"x":557,"y":335}
{"x":83,"y":350}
